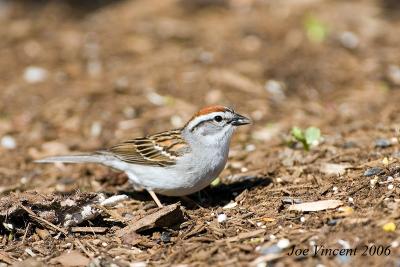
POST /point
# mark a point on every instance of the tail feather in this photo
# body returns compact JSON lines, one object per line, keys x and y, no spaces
{"x":89,"y":158}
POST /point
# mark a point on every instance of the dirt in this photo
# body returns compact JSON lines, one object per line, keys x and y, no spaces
{"x":79,"y":77}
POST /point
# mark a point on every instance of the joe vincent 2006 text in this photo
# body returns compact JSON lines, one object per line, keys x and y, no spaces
{"x":324,"y":251}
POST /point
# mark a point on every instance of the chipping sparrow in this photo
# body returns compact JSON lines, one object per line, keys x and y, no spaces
{"x":172,"y":163}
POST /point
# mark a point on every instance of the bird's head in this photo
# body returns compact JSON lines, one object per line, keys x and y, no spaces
{"x":212,"y":125}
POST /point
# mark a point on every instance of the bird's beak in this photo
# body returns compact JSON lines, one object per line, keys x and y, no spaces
{"x":240,"y":120}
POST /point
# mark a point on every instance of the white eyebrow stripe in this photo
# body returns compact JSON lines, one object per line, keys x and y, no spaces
{"x":193,"y":123}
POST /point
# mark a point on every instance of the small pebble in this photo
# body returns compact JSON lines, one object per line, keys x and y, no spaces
{"x":276,"y":89}
{"x":8,"y":142}
{"x":257,"y":115}
{"x":335,"y":189}
{"x":129,"y":112}
{"x":333,"y":169}
{"x":349,"y":40}
{"x":95,"y":129}
{"x":230,"y":205}
{"x":177,"y":121}
{"x":374,"y":181}
{"x":104,"y":244}
{"x":272,"y":237}
{"x":382,"y":143}
{"x":394,"y":74}
{"x":34,"y":74}
{"x":30,"y":252}
{"x":244,"y":169}
{"x":250,"y":148}
{"x":385,"y":161}
{"x":236,"y":164}
{"x":94,"y":67}
{"x":267,"y":250}
{"x":390,"y":179}
{"x":394,"y":244}
{"x":373,"y":171}
{"x":346,"y":211}
{"x":390,"y":186}
{"x":121,"y":84}
{"x":206,"y":57}
{"x":345,"y":244}
{"x":351,"y":200}
{"x":302,"y":219}
{"x":222,"y":217}
{"x":283,"y":243}
{"x":156,"y":99}
{"x":350,"y":144}
{"x":165,"y":237}
{"x":332,"y":222}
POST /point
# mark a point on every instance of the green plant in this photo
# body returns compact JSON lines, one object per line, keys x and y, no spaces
{"x":308,"y":137}
{"x":216,"y":182}
{"x":316,"y":30}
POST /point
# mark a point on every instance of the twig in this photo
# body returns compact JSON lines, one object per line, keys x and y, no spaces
{"x":89,"y":229}
{"x":7,"y":189}
{"x":112,"y":213}
{"x":358,"y":188}
{"x":26,"y":231}
{"x":96,"y":251}
{"x":291,"y":187}
{"x":4,"y":257}
{"x":49,"y":224}
{"x":80,"y":245}
{"x":243,"y":236}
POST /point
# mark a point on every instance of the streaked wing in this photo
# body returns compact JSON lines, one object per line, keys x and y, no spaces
{"x":161,"y":149}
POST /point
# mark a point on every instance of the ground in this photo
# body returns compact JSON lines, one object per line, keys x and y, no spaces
{"x":79,"y":77}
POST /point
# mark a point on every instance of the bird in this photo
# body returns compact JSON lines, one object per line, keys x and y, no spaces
{"x":175,"y":162}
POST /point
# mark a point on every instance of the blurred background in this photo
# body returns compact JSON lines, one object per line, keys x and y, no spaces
{"x":83,"y":75}
{"x":79,"y":76}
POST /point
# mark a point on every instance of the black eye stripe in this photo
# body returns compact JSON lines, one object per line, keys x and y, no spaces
{"x":200,"y":123}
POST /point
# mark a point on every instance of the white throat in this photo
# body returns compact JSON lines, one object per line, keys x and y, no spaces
{"x":216,"y":140}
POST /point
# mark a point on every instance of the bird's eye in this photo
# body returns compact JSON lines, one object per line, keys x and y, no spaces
{"x":218,"y":118}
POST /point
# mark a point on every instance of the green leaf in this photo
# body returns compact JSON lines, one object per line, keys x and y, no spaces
{"x":316,"y":30}
{"x":298,"y":134}
{"x":216,"y":182}
{"x":312,"y":134}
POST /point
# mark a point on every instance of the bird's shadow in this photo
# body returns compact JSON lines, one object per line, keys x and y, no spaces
{"x":211,"y":196}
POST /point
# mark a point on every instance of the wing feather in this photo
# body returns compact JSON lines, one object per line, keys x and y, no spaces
{"x":161,"y":149}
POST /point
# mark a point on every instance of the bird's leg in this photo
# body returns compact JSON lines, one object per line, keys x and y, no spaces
{"x":155,"y":198}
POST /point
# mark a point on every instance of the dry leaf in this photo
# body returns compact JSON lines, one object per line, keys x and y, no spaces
{"x":316,"y":205}
{"x":334,"y":169}
{"x":166,"y":216}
